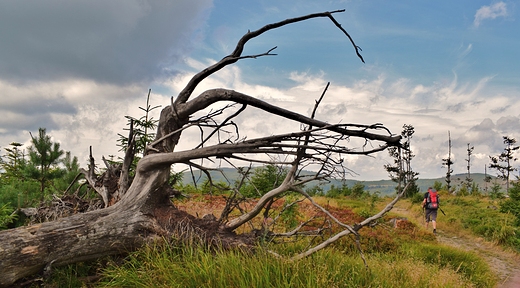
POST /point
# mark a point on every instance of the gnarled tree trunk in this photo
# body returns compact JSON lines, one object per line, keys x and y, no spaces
{"x":145,"y":211}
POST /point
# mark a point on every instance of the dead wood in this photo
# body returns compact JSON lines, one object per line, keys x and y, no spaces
{"x":141,"y":211}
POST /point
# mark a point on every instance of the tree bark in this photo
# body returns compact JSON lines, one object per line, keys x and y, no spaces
{"x":122,"y":227}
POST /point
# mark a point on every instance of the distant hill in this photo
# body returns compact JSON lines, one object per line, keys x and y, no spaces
{"x":387,"y":187}
{"x":384,"y":187}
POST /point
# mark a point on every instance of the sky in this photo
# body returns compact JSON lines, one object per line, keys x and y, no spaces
{"x":77,"y":68}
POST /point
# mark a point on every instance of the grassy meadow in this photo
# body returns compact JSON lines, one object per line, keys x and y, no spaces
{"x":404,"y":256}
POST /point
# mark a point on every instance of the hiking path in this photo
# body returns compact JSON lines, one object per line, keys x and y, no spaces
{"x":505,"y":264}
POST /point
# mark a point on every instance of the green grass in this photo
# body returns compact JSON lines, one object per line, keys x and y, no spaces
{"x":472,"y":267}
{"x":171,"y":266}
{"x":481,"y":216}
{"x":406,"y":257}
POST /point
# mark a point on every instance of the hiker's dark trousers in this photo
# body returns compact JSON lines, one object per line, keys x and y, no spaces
{"x":431,"y":215}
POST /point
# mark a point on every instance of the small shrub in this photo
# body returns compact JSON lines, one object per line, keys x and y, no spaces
{"x":437,"y":185}
{"x":315,"y":190}
{"x":496,"y":192}
{"x":6,"y":216}
{"x":358,"y":190}
{"x":290,"y":214}
{"x":512,"y":205}
{"x":463,"y":191}
{"x":365,"y":213}
{"x":417,"y":198}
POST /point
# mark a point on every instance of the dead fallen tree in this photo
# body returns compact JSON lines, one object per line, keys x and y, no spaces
{"x":142,"y":211}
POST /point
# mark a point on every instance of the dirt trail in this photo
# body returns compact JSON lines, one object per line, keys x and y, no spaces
{"x":505,"y":264}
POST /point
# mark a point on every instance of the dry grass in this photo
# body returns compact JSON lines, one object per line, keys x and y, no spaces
{"x":409,"y":256}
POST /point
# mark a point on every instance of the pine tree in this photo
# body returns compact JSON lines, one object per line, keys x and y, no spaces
{"x":12,"y":163}
{"x":503,"y":162}
{"x":448,"y":162}
{"x":263,"y":180}
{"x":469,"y":180}
{"x":44,"y":156}
{"x":401,"y":172}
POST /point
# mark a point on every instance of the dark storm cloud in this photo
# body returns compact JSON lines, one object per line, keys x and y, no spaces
{"x":38,"y":105}
{"x":118,"y":41}
{"x":27,"y":122}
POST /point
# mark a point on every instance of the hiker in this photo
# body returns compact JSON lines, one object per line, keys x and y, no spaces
{"x":431,"y":204}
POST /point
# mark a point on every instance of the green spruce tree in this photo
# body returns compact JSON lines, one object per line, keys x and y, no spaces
{"x":401,"y":172}
{"x":503,"y":163}
{"x":12,"y":163}
{"x":44,"y":157}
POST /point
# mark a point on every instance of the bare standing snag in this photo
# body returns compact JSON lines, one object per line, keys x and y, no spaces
{"x":145,"y":212}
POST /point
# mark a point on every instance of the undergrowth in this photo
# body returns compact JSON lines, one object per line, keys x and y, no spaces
{"x":407,"y":256}
{"x":181,"y":266}
{"x":468,"y":264}
{"x":481,"y":216}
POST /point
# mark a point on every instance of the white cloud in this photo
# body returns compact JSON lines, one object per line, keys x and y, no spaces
{"x":78,"y":113}
{"x":466,"y":51}
{"x":432,"y":108}
{"x":490,"y":12}
{"x":87,"y":117}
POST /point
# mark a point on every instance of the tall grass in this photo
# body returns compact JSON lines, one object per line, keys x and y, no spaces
{"x":406,"y":257}
{"x":468,"y":264}
{"x":181,"y":266}
{"x":482,"y":217}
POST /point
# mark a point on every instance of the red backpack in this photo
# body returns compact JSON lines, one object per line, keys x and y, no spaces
{"x":433,"y":200}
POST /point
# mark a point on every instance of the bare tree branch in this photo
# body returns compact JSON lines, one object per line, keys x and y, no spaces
{"x":215,"y":95}
{"x":348,"y":231}
{"x":91,"y":178}
{"x":124,"y":179}
{"x":236,"y":54}
{"x":261,"y":145}
{"x":145,"y":211}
